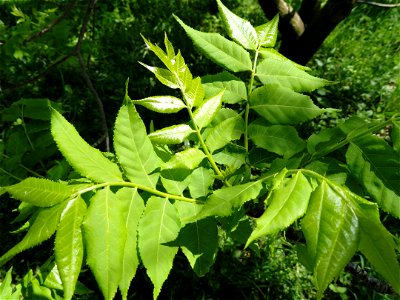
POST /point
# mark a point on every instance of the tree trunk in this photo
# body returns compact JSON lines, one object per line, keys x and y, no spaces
{"x":304,"y":32}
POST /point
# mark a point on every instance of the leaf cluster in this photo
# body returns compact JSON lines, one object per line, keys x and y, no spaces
{"x":178,"y":186}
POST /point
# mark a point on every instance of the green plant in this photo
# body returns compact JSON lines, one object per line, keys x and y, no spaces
{"x":181,"y":186}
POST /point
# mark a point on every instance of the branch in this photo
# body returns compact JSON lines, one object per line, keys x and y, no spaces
{"x":386,"y":5}
{"x":52,"y":24}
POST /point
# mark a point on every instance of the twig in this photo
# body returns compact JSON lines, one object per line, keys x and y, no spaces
{"x":52,"y":24}
{"x":386,"y":5}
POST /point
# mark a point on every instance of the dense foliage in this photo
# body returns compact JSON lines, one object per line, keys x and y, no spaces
{"x":237,"y":170}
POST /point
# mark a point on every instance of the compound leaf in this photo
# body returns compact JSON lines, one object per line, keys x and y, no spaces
{"x":162,"y":104}
{"x":225,"y":132}
{"x":205,"y":113}
{"x":187,"y":159}
{"x":85,"y":159}
{"x":175,"y":134}
{"x":268,"y":32}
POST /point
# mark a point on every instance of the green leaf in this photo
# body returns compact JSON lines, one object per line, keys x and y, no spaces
{"x":395,"y":135}
{"x":85,"y":159}
{"x":278,"y":72}
{"x":8,"y":290}
{"x":285,"y":205}
{"x":271,"y":53}
{"x":377,"y":244}
{"x":187,"y":211}
{"x":281,"y":106}
{"x":69,"y":245}
{"x":232,"y":156}
{"x":219,"y":49}
{"x":186,"y":159}
{"x":224,"y":201}
{"x":194,"y":93}
{"x":235,"y":89}
{"x":175,"y":181}
{"x":133,"y":147}
{"x":162,"y":104}
{"x":133,"y":207}
{"x":237,"y":28}
{"x":105,"y":235}
{"x":225,"y":132}
{"x":43,"y":227}
{"x":377,"y":168}
{"x":165,"y":76}
{"x":200,"y":182}
{"x":175,"y":134}
{"x":40,"y":192}
{"x":332,"y":233}
{"x":159,"y":224}
{"x":167,"y":60}
{"x":280,"y":139}
{"x":205,"y":113}
{"x":199,"y":243}
{"x":268,"y":32}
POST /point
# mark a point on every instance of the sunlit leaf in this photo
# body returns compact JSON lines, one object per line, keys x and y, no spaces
{"x":85,"y":159}
{"x":235,"y":89}
{"x":187,"y":159}
{"x":200,"y":182}
{"x":194,"y":93}
{"x":105,"y":236}
{"x":40,"y":192}
{"x":162,"y":104}
{"x":165,"y":76}
{"x":225,"y":132}
{"x":219,"y":49}
{"x":285,"y":205}
{"x":332,"y":233}
{"x":69,"y":244}
{"x":175,"y":134}
{"x":133,"y":147}
{"x":281,"y":106}
{"x":279,"y":72}
{"x":237,"y":28}
{"x":268,"y":32}
{"x":271,"y":53}
{"x":224,"y":201}
{"x":133,"y":207}
{"x":280,"y":139}
{"x":207,"y":111}
{"x":159,"y":224}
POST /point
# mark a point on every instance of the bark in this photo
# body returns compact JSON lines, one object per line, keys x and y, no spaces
{"x":304,"y":32}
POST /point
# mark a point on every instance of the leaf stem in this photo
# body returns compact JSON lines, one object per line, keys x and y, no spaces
{"x":140,"y":187}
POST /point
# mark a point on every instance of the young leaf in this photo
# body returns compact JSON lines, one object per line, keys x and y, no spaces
{"x":85,"y":159}
{"x":268,"y":32}
{"x":133,"y":207}
{"x":281,"y":106}
{"x":332,"y":233}
{"x":377,"y":244}
{"x":159,"y":224}
{"x":377,"y":168}
{"x":194,"y":93}
{"x":237,"y":28}
{"x":43,"y":227}
{"x":225,"y":132}
{"x":165,"y":76}
{"x":199,"y":243}
{"x":133,"y":147}
{"x":235,"y":89}
{"x":175,"y":134}
{"x":69,"y":245}
{"x":285,"y":205}
{"x":219,"y":49}
{"x":162,"y":104}
{"x":207,"y":111}
{"x":280,"y":139}
{"x":40,"y":192}
{"x":105,"y":235}
{"x":186,"y":159}
{"x":224,"y":201}
{"x":167,"y":60}
{"x":277,"y":72}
